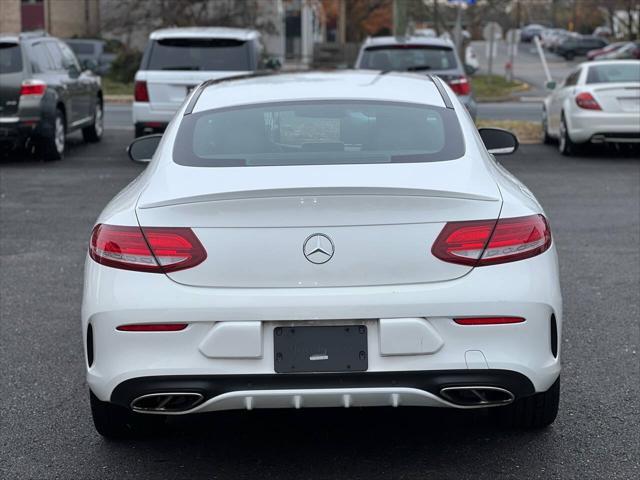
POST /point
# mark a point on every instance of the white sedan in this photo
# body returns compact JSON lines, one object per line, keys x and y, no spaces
{"x":598,"y":102}
{"x":307,"y":240}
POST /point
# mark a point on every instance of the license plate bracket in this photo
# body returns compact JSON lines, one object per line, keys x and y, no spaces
{"x":334,"y":348}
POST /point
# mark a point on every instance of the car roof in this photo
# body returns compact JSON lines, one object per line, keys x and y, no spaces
{"x":330,"y":85}
{"x":205,"y":32}
{"x":595,"y":63}
{"x":413,"y":40}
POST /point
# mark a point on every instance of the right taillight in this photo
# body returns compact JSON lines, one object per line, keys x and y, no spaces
{"x":151,"y":249}
{"x":585,"y":100}
{"x":460,"y":85}
{"x":140,"y":92}
{"x":489,"y":242}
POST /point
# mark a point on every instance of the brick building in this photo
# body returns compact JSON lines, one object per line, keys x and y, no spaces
{"x":62,"y":18}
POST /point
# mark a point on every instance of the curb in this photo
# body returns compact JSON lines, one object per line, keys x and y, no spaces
{"x":118,"y":98}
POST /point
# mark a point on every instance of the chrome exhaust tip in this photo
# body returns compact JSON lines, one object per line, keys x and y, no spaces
{"x":477,"y":396}
{"x":166,"y":402}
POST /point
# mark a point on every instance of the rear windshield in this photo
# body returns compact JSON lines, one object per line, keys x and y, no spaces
{"x":613,"y":73}
{"x":10,"y":58}
{"x":318,"y":133}
{"x":409,"y":57}
{"x":199,"y":54}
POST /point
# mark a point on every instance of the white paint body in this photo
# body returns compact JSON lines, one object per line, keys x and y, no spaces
{"x":383,"y":220}
{"x":620,"y":104}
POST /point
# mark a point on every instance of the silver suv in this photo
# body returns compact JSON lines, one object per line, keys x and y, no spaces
{"x":433,"y":56}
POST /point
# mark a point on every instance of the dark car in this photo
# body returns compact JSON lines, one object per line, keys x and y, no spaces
{"x":92,"y":53}
{"x":44,"y":95}
{"x":576,"y":46}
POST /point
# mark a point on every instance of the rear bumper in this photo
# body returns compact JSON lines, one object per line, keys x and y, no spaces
{"x":233,"y":392}
{"x":585,"y":126}
{"x":14,"y":131}
{"x":143,"y":112}
{"x":245,"y":345}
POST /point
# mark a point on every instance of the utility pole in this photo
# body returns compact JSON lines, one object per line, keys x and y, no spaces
{"x":399,"y":18}
{"x":436,"y":19}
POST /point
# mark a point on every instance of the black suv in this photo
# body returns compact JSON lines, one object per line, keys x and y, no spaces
{"x":45,"y":94}
{"x":574,"y":46}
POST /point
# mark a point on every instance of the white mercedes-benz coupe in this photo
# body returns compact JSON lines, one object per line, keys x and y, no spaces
{"x":305,"y":240}
{"x":598,"y":102}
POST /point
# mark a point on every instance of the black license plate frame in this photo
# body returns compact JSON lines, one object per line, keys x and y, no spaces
{"x":320,"y":349}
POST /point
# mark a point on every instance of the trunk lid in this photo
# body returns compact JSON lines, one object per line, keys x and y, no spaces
{"x":168,"y":89}
{"x":618,"y":97}
{"x":10,"y":77}
{"x":376,"y":222}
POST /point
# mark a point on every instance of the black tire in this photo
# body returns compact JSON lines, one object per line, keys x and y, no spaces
{"x":566,"y":146}
{"x":546,"y":138}
{"x":51,"y":146}
{"x":139,"y":131}
{"x":93,"y":133}
{"x":536,"y":411}
{"x":115,"y":422}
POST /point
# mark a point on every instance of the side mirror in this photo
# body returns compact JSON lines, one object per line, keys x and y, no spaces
{"x":499,"y":141}
{"x":141,"y":150}
{"x":89,"y":64}
{"x":273,"y":63}
{"x":550,"y":85}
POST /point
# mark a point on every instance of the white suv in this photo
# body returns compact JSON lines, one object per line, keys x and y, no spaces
{"x":178,"y":59}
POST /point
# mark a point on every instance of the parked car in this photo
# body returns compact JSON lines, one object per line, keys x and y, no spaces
{"x":471,"y":62}
{"x":45,"y":95}
{"x":529,"y":32}
{"x":177,"y":59}
{"x":322,"y":239}
{"x":629,"y":51}
{"x":423,"y":55}
{"x":92,"y":53}
{"x":558,"y":37}
{"x":602,"y":31}
{"x":594,"y":54}
{"x":598,"y":102}
{"x":576,"y":46}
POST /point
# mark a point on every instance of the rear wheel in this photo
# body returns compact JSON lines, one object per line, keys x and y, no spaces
{"x":114,"y":421}
{"x":93,"y":133}
{"x":537,"y":411}
{"x":139,"y":130}
{"x":52,"y":144}
{"x":565,"y":144}
{"x":546,"y":138}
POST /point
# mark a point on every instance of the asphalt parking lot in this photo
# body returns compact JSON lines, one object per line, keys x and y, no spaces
{"x":46,"y":214}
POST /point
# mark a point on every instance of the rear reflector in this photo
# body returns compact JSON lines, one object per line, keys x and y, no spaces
{"x":140,"y":92}
{"x":33,"y":87}
{"x":460,"y":85}
{"x":488,"y":320}
{"x":152,"y":249}
{"x":152,"y":327}
{"x":585,"y":100}
{"x":489,"y":242}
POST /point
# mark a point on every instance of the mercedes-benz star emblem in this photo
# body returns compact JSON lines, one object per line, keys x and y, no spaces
{"x":318,"y":248}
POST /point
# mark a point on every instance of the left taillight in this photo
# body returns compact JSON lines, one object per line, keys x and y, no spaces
{"x":490,"y":242}
{"x":460,"y":85}
{"x":148,"y":249}
{"x":33,"y":87}
{"x":585,"y":100}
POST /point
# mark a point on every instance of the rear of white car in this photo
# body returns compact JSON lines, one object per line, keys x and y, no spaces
{"x":326,"y":271}
{"x":178,"y":59}
{"x":599,"y":102}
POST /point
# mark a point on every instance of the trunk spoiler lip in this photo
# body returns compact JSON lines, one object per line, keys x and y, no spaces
{"x":318,"y":192}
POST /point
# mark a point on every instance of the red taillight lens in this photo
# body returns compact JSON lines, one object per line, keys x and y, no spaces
{"x":489,"y":242}
{"x":585,"y":100}
{"x":32,"y":87}
{"x":460,"y":85}
{"x":152,"y":249}
{"x":152,"y":327}
{"x":140,"y":92}
{"x":488,"y":320}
